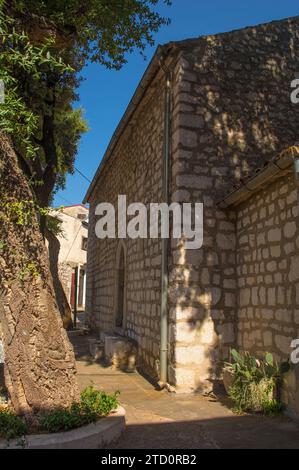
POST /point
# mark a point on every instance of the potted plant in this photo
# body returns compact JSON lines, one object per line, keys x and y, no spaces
{"x":254,"y":384}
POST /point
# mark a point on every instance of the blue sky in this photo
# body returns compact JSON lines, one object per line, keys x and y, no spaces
{"x":104,"y":94}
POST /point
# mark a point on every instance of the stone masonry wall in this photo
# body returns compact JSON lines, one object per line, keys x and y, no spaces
{"x":268,"y":276}
{"x":232,"y":111}
{"x":65,"y":275}
{"x":135,"y":170}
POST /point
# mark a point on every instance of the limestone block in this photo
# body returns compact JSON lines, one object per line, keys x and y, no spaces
{"x":121,"y":352}
{"x":267,"y":339}
{"x":183,"y":332}
{"x":290,"y":380}
{"x":194,"y":257}
{"x":292,"y":197}
{"x":294,"y":269}
{"x":182,"y":154}
{"x":289,"y":248}
{"x":190,"y":120}
{"x":190,"y":76}
{"x":229,"y":283}
{"x":274,"y":235}
{"x":262,"y":295}
{"x":181,"y":377}
{"x":185,"y":137}
{"x":226,"y":241}
{"x":210,"y":297}
{"x":248,"y":342}
{"x":283,"y":343}
{"x":188,"y":313}
{"x":227,"y":333}
{"x":207,"y":332}
{"x":179,"y":257}
{"x":267,"y":314}
{"x":275,"y":251}
{"x":181,"y":195}
{"x":189,"y":354}
{"x":272,"y":301}
{"x":272,"y":266}
{"x":290,"y":229}
{"x":261,"y":239}
{"x":212,"y":259}
{"x":243,"y":240}
{"x":230,"y":299}
{"x":283,"y":315}
{"x":245,"y":295}
{"x":217,"y":314}
{"x":195,"y":181}
{"x":205,"y":276}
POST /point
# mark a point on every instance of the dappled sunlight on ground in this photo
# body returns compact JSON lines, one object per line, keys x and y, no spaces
{"x":159,"y":420}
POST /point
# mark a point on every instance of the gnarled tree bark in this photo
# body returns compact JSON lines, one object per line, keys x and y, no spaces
{"x":40,"y":371}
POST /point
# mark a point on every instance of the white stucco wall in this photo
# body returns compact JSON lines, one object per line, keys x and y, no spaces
{"x":73,"y":232}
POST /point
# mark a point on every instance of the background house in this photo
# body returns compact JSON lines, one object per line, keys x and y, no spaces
{"x":230,"y":114}
{"x":72,"y":254}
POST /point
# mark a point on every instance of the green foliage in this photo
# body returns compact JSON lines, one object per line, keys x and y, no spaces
{"x":54,"y":225}
{"x":20,"y":212}
{"x":255,"y":382}
{"x":99,"y":402}
{"x":40,"y":69}
{"x":11,"y":426}
{"x":65,"y":419}
{"x":103,"y":31}
{"x":38,"y":85}
{"x":93,"y":404}
{"x":23,"y":66}
{"x":28,"y":271}
{"x":3,"y":391}
{"x":272,"y":407}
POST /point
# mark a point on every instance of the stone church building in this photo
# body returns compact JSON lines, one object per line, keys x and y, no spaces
{"x":211,"y":121}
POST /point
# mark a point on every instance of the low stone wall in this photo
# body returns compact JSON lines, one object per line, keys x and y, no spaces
{"x":93,"y":436}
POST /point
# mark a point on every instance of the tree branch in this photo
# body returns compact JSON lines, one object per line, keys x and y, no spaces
{"x":24,"y":165}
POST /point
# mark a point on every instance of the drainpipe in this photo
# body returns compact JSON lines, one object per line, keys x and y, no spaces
{"x":296,"y":169}
{"x":165,"y":241}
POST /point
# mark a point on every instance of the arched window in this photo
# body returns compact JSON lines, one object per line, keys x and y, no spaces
{"x":120,"y":297}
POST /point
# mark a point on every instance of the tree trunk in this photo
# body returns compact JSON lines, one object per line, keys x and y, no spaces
{"x":40,"y":371}
{"x":61,"y":299}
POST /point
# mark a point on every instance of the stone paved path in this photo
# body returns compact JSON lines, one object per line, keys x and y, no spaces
{"x":159,"y":420}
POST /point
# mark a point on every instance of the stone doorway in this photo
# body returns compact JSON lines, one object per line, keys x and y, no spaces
{"x":120,"y":289}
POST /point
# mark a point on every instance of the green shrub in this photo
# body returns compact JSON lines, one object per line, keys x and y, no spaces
{"x":255,"y":382}
{"x":272,"y":407}
{"x":93,"y":404}
{"x":64,"y":419}
{"x":11,"y":426}
{"x":99,"y":402}
{"x":3,"y":395}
